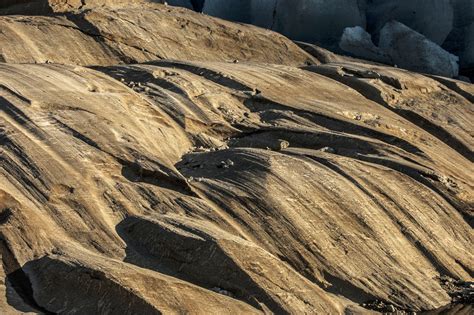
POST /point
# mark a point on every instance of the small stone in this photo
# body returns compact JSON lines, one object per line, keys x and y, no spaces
{"x":202,"y":149}
{"x":391,"y":309}
{"x":283,"y":144}
{"x":328,"y":150}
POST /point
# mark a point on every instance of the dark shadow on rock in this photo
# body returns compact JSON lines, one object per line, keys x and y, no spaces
{"x":162,"y":177}
{"x":69,"y":286}
{"x":198,"y":5}
{"x":191,"y":255}
{"x":208,"y":74}
{"x":18,"y":281}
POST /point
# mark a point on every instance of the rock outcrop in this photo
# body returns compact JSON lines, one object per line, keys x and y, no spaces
{"x":129,"y":34}
{"x":156,"y":160}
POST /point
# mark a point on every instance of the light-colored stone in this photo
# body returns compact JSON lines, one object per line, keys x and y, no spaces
{"x":356,"y":41}
{"x":411,"y":50}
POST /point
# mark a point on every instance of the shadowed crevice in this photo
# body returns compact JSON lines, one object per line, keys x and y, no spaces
{"x":190,"y":255}
{"x":18,"y":278}
{"x":261,"y":103}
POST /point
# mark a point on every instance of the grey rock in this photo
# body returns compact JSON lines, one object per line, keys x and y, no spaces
{"x":318,"y":21}
{"x":461,"y":39}
{"x":467,"y":53}
{"x":328,"y":150}
{"x":463,"y":12}
{"x":239,"y":10}
{"x":356,"y":41}
{"x":432,"y":18}
{"x":411,"y":50}
{"x":181,"y":3}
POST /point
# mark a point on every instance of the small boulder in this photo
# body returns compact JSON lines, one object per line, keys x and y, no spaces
{"x":283,"y":144}
{"x":357,"y":42}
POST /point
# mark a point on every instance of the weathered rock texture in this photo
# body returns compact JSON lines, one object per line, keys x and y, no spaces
{"x":206,"y":185}
{"x":105,"y":36}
